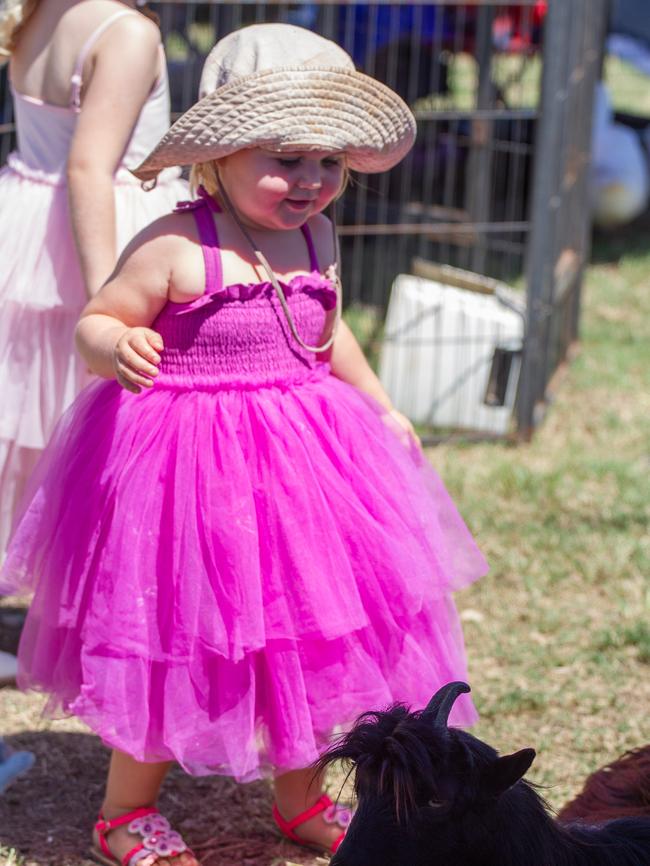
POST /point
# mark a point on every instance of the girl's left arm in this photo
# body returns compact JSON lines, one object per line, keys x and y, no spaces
{"x":123,"y":74}
{"x":348,"y":363}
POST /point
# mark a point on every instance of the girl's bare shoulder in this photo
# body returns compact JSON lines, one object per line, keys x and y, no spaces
{"x":78,"y":22}
{"x":171,"y":247}
{"x":101,"y":10}
{"x":135,"y":26}
{"x":177,"y":227}
{"x":164,"y":245}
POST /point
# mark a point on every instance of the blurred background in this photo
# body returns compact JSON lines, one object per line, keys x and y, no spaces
{"x":463,"y":266}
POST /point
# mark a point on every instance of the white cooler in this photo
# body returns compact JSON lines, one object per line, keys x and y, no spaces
{"x":451,"y":357}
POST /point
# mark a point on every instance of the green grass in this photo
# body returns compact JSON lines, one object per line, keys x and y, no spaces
{"x":558,"y":633}
{"x":516,"y":77}
{"x":199,"y":36}
{"x":635,"y":635}
{"x":628,"y":87}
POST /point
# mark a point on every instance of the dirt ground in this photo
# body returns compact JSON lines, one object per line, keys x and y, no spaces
{"x":46,"y":816}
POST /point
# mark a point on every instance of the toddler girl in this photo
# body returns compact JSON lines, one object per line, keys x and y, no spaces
{"x":237,"y":543}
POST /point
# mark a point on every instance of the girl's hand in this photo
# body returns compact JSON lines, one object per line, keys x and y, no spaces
{"x":407,"y":433}
{"x":136,"y":358}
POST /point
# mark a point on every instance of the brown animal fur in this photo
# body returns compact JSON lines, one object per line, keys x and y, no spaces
{"x":619,"y":790}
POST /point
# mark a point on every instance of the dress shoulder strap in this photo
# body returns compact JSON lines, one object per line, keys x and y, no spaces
{"x":202,"y":209}
{"x":309,"y":240}
{"x":76,"y":78}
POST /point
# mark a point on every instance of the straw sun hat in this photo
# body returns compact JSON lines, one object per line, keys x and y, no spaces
{"x":285,"y":88}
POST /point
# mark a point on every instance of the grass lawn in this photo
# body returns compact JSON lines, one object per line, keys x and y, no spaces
{"x":559,"y":632}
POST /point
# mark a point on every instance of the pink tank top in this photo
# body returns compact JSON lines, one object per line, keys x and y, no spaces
{"x":44,"y":131}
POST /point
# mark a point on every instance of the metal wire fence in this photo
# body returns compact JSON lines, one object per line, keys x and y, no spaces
{"x":495,"y":184}
{"x":471,"y":72}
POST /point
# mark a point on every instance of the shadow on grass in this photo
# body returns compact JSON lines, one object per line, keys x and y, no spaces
{"x":47,"y":815}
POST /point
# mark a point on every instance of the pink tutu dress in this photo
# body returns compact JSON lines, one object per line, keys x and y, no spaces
{"x":235,"y":562}
{"x":41,"y":288}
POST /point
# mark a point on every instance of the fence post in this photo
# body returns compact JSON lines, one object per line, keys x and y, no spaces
{"x":546,"y":200}
{"x":479,"y":170}
{"x":595,"y":49}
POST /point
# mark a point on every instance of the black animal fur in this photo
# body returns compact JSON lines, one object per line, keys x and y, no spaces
{"x":430,"y":795}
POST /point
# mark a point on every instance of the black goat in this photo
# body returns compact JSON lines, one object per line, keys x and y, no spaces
{"x":430,"y":795}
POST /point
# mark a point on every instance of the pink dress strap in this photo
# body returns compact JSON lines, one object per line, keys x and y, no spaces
{"x":209,"y":244}
{"x":76,"y":78}
{"x":203,"y":208}
{"x":306,"y":231}
{"x":309,"y":240}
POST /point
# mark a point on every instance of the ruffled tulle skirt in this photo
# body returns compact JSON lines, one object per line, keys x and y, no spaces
{"x":224,"y":575}
{"x":41,"y":296}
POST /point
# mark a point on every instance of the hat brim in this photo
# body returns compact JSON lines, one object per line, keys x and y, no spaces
{"x":299,"y":108}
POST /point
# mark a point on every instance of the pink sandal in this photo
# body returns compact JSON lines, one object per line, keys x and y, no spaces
{"x":158,"y":839}
{"x":332,"y":814}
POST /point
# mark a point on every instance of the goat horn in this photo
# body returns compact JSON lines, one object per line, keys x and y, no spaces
{"x":440,"y":705}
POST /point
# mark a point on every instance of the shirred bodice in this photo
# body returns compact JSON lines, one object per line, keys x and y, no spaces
{"x":238,"y":334}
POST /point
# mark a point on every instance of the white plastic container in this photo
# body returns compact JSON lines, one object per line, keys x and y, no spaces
{"x":440,"y":346}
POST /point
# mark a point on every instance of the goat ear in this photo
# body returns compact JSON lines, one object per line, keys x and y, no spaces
{"x":508,"y":769}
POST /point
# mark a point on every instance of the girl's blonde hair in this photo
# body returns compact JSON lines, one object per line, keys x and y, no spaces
{"x":206,"y":174}
{"x":14,"y":15}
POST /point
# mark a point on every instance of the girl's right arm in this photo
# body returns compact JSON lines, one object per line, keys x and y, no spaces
{"x":113,"y":335}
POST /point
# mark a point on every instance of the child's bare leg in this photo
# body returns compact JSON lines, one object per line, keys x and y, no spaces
{"x":297,"y":791}
{"x":133,"y":785}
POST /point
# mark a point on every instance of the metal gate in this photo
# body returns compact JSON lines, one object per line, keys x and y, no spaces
{"x":559,"y":236}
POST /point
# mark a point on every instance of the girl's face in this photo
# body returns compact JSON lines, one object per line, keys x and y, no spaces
{"x":280,"y":191}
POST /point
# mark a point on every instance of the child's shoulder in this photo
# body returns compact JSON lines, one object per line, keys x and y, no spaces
{"x":179,"y":224}
{"x":166,"y":238}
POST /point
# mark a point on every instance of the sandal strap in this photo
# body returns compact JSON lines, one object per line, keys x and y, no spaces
{"x":129,"y":854}
{"x":158,"y":836}
{"x":288,"y":827}
{"x":323,"y":804}
{"x":136,"y":854}
{"x":103,"y":826}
